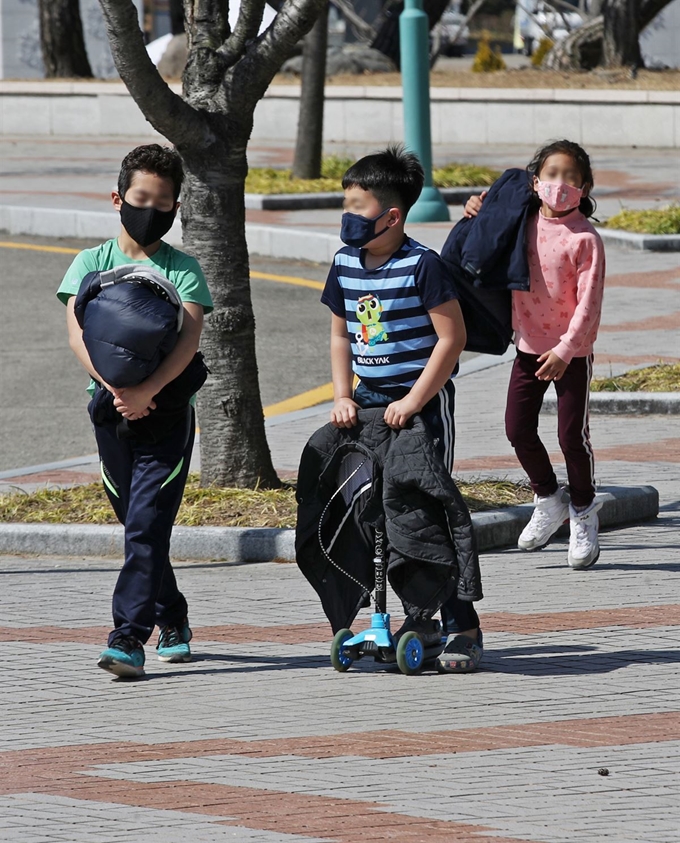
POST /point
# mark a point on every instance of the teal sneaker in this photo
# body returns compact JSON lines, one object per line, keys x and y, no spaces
{"x":125,"y":657}
{"x":173,"y":643}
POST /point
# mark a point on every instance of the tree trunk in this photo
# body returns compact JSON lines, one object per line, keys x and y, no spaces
{"x":177,"y":17}
{"x":234,"y":450}
{"x":621,"y":46}
{"x":62,"y":41}
{"x":226,"y":75}
{"x":309,"y":145}
{"x":583,"y":49}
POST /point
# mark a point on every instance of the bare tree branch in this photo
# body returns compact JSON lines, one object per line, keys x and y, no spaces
{"x":559,"y":12}
{"x":567,"y":7}
{"x":648,"y":10}
{"x":533,"y":17}
{"x":567,"y":53}
{"x":294,"y":20}
{"x":472,"y":11}
{"x":362,"y":29}
{"x":166,"y":111}
{"x":583,"y":47}
{"x":246,"y":29}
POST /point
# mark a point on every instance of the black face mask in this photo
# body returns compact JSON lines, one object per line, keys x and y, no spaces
{"x":146,"y":225}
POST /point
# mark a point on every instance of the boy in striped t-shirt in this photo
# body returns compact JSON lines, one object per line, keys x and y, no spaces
{"x":397,"y":326}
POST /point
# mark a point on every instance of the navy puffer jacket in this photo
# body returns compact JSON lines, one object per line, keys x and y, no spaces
{"x":131,"y":317}
{"x":487,"y":258}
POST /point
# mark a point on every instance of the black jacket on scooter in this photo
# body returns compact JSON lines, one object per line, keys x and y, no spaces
{"x":487,"y":259}
{"x":396,"y":481}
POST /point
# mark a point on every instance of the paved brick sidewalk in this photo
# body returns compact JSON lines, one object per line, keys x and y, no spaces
{"x":70,"y":173}
{"x":260,"y":740}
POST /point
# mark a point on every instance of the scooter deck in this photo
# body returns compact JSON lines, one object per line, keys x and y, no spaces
{"x":389,"y":656}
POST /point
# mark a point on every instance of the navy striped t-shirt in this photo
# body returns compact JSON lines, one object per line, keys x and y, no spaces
{"x":386,"y":310}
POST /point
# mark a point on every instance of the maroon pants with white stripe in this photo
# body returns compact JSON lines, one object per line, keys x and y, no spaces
{"x":525,"y":398}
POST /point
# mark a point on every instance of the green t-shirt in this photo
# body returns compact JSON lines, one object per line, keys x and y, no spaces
{"x":181,"y":270}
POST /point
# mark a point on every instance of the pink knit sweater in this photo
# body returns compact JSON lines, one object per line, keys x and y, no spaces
{"x":561,"y":310}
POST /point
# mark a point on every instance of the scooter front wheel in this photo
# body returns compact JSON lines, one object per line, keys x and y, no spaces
{"x":340,"y":658}
{"x":410,"y":653}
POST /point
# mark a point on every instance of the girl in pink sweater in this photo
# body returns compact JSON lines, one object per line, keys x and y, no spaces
{"x":556,"y":324}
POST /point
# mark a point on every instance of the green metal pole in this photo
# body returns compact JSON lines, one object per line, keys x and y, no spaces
{"x":414,"y":36}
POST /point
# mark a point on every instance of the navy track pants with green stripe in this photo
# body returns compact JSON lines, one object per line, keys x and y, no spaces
{"x":145,"y":484}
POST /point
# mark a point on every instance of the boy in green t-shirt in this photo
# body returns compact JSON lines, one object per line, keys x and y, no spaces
{"x":145,"y":482}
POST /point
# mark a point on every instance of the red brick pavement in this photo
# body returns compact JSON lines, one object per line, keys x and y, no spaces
{"x":664,"y":279}
{"x":530,"y":623}
{"x":58,"y":771}
{"x":61,"y":477}
{"x":667,"y":322}
{"x":663,"y":450}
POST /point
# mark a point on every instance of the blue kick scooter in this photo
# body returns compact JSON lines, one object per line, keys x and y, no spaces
{"x":409,"y":653}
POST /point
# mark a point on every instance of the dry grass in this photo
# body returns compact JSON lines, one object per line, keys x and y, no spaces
{"x":529,"y":77}
{"x":664,"y":377}
{"x":654,"y":221}
{"x":212,"y":506}
{"x":266,"y":180}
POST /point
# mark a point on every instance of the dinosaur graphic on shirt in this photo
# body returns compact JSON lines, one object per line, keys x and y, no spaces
{"x":368,"y":312}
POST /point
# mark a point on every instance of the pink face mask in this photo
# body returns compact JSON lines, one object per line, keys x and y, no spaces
{"x":558,"y":195}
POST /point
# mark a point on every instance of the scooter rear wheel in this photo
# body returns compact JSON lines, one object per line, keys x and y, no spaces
{"x":340,"y":658}
{"x":410,"y":653}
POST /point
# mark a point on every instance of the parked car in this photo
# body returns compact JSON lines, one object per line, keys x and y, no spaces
{"x":450,"y":34}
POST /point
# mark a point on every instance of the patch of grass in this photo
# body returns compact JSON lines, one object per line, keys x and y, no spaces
{"x":483,"y":495}
{"x":463,"y":175}
{"x":266,"y":180}
{"x":663,"y":377}
{"x":203,"y":507}
{"x":658,"y":221}
{"x":335,"y":166}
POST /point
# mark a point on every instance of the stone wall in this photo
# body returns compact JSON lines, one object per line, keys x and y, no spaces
{"x":591,"y":117}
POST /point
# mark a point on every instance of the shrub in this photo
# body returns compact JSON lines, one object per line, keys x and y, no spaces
{"x":266,"y":180}
{"x":487,"y":60}
{"x":463,"y":175}
{"x":545,"y":45}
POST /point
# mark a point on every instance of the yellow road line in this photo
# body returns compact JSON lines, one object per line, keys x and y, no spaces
{"x":62,"y":250}
{"x":318,"y":395}
{"x":289,"y":279}
{"x":265,"y":276}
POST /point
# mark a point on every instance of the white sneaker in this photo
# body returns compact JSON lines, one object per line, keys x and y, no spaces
{"x":584,"y":549}
{"x":548,"y":516}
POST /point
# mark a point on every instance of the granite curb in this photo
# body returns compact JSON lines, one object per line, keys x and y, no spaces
{"x":626,"y":403}
{"x":311,"y":201}
{"x":274,"y":241}
{"x":240,"y":545}
{"x":642,"y":242}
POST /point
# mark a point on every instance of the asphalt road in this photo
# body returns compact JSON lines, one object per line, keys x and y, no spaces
{"x":42,"y":409}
